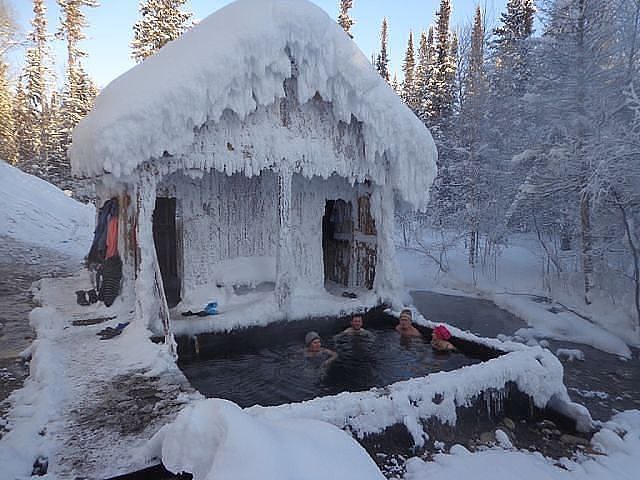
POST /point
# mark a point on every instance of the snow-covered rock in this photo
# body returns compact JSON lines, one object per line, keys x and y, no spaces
{"x":216,"y":439}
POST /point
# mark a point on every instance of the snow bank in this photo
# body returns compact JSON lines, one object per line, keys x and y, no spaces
{"x":36,"y":212}
{"x":562,"y":326}
{"x":37,"y":402}
{"x":236,"y":61}
{"x":216,"y":439}
{"x":619,"y":440}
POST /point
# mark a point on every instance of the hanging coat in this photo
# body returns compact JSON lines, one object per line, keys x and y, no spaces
{"x":112,"y":238}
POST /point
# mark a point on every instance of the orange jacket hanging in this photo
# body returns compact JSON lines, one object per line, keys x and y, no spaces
{"x":112,"y":237}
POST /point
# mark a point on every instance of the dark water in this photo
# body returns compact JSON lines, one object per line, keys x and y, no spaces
{"x":604,"y":383}
{"x":280,"y":373}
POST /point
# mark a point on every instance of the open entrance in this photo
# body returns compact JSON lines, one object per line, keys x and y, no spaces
{"x":337,"y":233}
{"x":166,"y":242}
{"x":349,"y":243}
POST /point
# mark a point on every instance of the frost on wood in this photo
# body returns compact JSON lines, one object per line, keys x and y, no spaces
{"x":214,"y":99}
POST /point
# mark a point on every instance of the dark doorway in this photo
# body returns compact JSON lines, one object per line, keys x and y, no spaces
{"x":166,"y":241}
{"x":337,"y":233}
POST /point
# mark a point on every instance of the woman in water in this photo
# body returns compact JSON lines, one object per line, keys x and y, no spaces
{"x":315,"y":352}
{"x":440,"y":339}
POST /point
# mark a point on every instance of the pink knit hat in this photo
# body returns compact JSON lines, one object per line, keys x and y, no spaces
{"x":442,"y":332}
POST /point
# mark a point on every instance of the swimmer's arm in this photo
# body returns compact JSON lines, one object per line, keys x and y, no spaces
{"x":332,"y":356}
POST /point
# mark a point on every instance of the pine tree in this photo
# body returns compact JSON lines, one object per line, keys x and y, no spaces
{"x":471,"y":130}
{"x":509,"y":76}
{"x":57,"y":138}
{"x":408,"y":84}
{"x":453,"y":59}
{"x":442,"y":77}
{"x":516,"y":28}
{"x":24,"y":132}
{"x":8,"y":148}
{"x":579,"y":72}
{"x":79,"y":92}
{"x":36,"y":83}
{"x":382,"y":60}
{"x":162,"y":21}
{"x":475,"y":81}
{"x":423,"y":71}
{"x":344,"y":20}
{"x":395,"y":85}
{"x":7,"y":28}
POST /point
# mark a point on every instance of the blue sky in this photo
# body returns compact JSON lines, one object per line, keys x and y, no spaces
{"x":111,"y":27}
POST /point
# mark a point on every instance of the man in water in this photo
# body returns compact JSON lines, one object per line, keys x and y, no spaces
{"x":405,"y":327}
{"x":356,"y":327}
{"x":315,"y":352}
{"x":356,"y":348}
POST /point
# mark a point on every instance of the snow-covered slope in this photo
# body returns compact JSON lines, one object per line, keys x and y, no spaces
{"x":35,"y":212}
{"x":236,"y":60}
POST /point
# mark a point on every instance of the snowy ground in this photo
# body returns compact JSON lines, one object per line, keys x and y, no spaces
{"x":90,"y":406}
{"x":88,"y":403}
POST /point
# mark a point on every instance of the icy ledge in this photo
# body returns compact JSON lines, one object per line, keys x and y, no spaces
{"x":536,"y":372}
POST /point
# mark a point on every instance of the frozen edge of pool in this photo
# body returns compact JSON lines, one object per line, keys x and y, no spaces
{"x":536,"y":372}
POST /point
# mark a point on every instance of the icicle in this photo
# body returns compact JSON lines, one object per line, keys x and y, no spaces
{"x":284,"y":267}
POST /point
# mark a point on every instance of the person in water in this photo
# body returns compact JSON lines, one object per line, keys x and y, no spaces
{"x":440,"y":339}
{"x":405,"y":326}
{"x":316,"y":352}
{"x":355,"y":327}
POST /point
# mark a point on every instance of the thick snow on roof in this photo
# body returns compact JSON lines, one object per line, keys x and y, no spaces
{"x":236,"y":59}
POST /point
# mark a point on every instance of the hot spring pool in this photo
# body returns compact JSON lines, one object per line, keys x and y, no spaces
{"x":267,"y":366}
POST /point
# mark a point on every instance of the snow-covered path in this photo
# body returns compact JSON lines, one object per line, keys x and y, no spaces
{"x":89,"y":404}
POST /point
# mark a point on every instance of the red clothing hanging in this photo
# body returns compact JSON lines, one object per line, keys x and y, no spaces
{"x":112,"y":237}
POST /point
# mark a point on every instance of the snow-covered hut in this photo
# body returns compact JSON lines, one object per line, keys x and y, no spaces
{"x":263,"y":150}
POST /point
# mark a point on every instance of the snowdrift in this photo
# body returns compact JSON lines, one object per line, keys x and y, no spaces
{"x":36,"y":212}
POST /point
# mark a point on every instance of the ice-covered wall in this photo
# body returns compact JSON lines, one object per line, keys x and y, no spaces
{"x":229,"y":74}
{"x":225,"y":217}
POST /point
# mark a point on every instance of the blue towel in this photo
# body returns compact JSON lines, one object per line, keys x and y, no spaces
{"x":211,"y":308}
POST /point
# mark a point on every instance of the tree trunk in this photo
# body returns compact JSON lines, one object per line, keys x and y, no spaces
{"x":473,"y":248}
{"x":587,"y":246}
{"x":585,"y":197}
{"x":636,"y":256}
